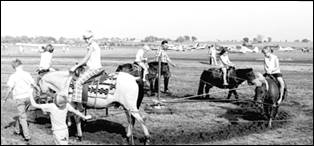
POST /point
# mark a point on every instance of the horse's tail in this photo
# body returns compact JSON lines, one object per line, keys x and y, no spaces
{"x":285,"y":92}
{"x":140,"y":84}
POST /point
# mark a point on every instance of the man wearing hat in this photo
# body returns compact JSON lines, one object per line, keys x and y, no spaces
{"x":225,"y":64}
{"x":142,"y":61}
{"x":93,"y":61}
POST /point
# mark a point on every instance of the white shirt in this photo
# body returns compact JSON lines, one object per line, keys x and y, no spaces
{"x":57,"y":115}
{"x":94,"y":61}
{"x":21,"y":82}
{"x":224,"y":59}
{"x":45,"y":60}
{"x":271,"y":64}
{"x":212,"y":51}
{"x":140,"y":56}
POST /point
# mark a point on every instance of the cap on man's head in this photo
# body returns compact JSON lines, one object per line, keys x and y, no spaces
{"x":15,"y":63}
{"x":164,"y":42}
{"x":88,"y":34}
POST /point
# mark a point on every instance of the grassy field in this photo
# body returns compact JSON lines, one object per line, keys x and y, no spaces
{"x":203,"y":122}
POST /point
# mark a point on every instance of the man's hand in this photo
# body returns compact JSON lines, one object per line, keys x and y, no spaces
{"x":7,"y":96}
{"x":88,"y":117}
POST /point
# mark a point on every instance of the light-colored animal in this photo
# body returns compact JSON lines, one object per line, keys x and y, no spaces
{"x":126,"y":94}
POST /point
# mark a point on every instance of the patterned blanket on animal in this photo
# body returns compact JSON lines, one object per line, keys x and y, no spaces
{"x":98,"y":88}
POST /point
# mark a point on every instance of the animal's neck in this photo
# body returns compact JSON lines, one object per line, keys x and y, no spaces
{"x":245,"y":74}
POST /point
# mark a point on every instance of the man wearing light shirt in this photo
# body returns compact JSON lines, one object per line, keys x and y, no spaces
{"x":163,"y":56}
{"x":20,"y":85}
{"x":93,"y":61}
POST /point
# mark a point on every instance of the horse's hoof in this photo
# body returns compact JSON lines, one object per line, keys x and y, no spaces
{"x":79,"y":138}
{"x":147,"y":141}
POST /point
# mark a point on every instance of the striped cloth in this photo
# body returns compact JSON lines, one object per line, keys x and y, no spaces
{"x":79,"y":83}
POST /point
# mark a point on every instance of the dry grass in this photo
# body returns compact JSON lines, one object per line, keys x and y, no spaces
{"x":190,"y":122}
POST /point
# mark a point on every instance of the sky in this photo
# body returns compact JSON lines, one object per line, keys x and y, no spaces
{"x":207,"y":20}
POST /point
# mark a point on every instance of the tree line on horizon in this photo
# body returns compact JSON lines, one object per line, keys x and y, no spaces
{"x":115,"y":40}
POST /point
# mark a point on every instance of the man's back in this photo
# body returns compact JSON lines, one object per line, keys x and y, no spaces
{"x":94,"y":61}
{"x":21,"y":82}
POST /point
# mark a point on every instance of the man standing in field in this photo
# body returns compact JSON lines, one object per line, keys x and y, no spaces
{"x":93,"y":61}
{"x":21,"y":84}
{"x":164,"y":58}
{"x":212,"y":55}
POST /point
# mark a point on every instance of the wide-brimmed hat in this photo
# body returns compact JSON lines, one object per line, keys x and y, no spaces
{"x":88,"y":34}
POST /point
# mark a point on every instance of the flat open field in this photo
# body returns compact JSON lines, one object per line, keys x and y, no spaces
{"x":190,"y":122}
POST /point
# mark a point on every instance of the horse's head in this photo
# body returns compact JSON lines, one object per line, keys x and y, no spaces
{"x":260,"y":92}
{"x":262,"y":86}
{"x":79,"y":70}
{"x":130,"y":68}
{"x":245,"y":74}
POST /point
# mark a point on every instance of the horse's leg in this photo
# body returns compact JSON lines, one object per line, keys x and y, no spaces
{"x":266,"y":111}
{"x":270,"y":116}
{"x":138,"y":117}
{"x":129,"y":134}
{"x":207,"y":87}
{"x":200,"y":88}
{"x":151,"y":82}
{"x":229,"y":94}
{"x":273,"y":115}
{"x":156,"y":85}
{"x":236,"y":93}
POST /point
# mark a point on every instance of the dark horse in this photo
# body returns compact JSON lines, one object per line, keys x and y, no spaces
{"x":152,"y":77}
{"x":213,"y":77}
{"x":268,"y":95}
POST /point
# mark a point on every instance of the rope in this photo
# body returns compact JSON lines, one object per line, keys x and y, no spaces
{"x":262,"y":121}
{"x":205,"y":94}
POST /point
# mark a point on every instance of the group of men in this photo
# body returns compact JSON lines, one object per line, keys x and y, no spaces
{"x":21,"y":84}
